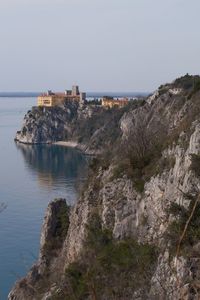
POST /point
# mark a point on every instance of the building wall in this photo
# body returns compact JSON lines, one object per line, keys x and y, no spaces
{"x":45,"y":101}
{"x":75,"y":90}
{"x":50,"y":101}
{"x":57,"y":100}
{"x":113,"y":103}
{"x":82,"y":97}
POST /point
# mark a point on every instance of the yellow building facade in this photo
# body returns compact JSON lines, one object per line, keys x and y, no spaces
{"x":51,"y":99}
{"x":110,"y":103}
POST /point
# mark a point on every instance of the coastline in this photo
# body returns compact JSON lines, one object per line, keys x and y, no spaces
{"x":66,"y":144}
{"x":81,"y":147}
{"x":70,"y":144}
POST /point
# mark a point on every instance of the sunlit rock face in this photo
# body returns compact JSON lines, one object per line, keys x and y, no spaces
{"x":47,"y":125}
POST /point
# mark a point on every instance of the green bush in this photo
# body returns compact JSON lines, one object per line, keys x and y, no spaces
{"x":119,"y":170}
{"x":62,"y":224}
{"x":196,"y":87}
{"x":75,"y":274}
{"x":163,"y":89}
{"x":176,"y":209}
{"x":185,"y":82}
{"x":139,"y":185}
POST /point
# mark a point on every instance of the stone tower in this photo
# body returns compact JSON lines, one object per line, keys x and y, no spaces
{"x":75,"y":90}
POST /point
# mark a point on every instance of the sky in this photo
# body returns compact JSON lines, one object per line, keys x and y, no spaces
{"x":102,"y":45}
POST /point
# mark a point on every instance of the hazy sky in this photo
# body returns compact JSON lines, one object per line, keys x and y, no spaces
{"x":102,"y":45}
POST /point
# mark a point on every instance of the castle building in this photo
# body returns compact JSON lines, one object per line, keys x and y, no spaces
{"x":110,"y":102}
{"x":75,"y":90}
{"x":51,"y":99}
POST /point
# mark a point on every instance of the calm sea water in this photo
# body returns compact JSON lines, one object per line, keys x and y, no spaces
{"x":30,"y":176}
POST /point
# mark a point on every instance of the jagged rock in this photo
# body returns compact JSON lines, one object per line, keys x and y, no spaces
{"x":27,"y":288}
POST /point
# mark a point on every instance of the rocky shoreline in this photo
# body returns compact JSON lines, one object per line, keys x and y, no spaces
{"x":122,"y":239}
{"x":68,"y":144}
{"x":68,"y":125}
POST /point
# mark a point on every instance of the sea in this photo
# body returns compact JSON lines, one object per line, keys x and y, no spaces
{"x":30,"y":177}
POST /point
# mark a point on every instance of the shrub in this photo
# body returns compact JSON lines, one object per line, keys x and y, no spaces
{"x":163,"y":89}
{"x":185,"y":82}
{"x":139,"y":185}
{"x":121,"y":168}
{"x":62,"y":224}
{"x":196,"y":87}
{"x":176,"y":209}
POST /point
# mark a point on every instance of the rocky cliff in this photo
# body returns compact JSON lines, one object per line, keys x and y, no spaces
{"x":89,"y":127}
{"x":134,"y":232}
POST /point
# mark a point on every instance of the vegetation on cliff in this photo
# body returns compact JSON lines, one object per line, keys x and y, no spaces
{"x":59,"y":231}
{"x":141,"y":154}
{"x":143,"y":240}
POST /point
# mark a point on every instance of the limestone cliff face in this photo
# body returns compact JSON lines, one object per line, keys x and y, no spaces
{"x":46,"y":125}
{"x":129,"y":211}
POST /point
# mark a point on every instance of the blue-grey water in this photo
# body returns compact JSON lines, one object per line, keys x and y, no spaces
{"x":30,"y":176}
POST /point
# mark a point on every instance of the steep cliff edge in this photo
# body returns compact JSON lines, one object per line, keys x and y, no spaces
{"x":134,"y":232}
{"x":89,"y":127}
